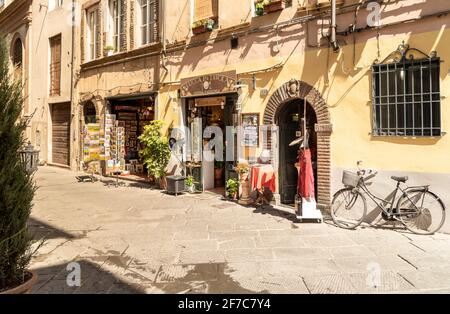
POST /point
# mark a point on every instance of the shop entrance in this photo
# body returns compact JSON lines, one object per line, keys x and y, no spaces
{"x":125,"y":122}
{"x":206,"y":116}
{"x":290,"y":120}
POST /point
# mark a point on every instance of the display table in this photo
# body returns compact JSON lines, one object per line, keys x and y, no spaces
{"x":262,"y":177}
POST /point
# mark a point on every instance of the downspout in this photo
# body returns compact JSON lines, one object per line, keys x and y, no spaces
{"x":71,"y":80}
{"x":333,"y":40}
{"x":163,"y":34}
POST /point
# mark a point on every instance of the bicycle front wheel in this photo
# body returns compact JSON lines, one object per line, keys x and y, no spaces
{"x":421,"y":211}
{"x":348,"y":208}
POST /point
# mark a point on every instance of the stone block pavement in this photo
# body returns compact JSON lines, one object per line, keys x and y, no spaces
{"x":132,"y":239}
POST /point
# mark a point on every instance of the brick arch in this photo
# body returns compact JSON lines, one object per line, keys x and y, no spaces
{"x":296,"y":89}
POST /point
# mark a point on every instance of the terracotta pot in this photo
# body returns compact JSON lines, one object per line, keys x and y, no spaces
{"x":274,"y":6}
{"x":25,"y":287}
{"x":218,"y":172}
{"x":199,"y":29}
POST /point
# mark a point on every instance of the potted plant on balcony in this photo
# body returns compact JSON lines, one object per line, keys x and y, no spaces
{"x":109,"y":50}
{"x":259,"y":8}
{"x":156,"y":151}
{"x":232,"y":188}
{"x":203,"y":26}
{"x":16,"y":187}
{"x":273,"y":5}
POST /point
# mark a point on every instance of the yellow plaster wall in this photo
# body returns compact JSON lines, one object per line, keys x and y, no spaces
{"x":347,"y":91}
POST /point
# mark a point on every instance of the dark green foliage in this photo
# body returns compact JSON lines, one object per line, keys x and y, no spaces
{"x":16,"y":186}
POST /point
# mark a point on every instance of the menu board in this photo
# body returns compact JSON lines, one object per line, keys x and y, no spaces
{"x":250,"y":129}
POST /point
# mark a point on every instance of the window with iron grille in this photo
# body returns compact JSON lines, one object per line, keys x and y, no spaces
{"x":55,"y":65}
{"x":406,"y":98}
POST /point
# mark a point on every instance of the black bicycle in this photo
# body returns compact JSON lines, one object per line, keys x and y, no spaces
{"x":418,"y":209}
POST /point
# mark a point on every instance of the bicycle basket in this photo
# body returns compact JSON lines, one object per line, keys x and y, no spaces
{"x":350,"y":179}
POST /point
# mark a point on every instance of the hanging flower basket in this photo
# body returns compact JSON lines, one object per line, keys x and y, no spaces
{"x":274,"y":6}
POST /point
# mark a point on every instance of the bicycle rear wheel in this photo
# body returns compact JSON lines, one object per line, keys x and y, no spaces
{"x":421,"y":211}
{"x":348,"y":208}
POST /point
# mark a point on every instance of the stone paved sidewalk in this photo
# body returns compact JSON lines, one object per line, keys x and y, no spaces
{"x":131,"y":239}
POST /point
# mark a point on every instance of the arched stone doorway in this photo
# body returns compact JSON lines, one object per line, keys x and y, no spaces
{"x":284,"y":95}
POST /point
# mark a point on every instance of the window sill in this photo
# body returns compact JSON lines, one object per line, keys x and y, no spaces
{"x":120,"y":56}
{"x":422,"y":137}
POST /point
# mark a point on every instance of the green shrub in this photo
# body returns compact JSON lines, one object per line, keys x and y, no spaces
{"x":16,"y":185}
{"x":156,"y":151}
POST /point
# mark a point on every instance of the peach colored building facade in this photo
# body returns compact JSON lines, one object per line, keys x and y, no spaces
{"x":32,"y":28}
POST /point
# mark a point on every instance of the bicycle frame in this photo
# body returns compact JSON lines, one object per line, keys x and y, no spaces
{"x":389,"y":211}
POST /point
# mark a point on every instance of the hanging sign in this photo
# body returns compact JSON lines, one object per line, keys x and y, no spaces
{"x":219,"y":83}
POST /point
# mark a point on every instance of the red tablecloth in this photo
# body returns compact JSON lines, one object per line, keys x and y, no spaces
{"x":263,"y":177}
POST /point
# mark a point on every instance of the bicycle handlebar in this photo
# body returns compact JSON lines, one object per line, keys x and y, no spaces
{"x":370,"y":173}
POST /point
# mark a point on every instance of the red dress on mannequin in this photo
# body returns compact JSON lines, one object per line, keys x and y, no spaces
{"x":306,"y":176}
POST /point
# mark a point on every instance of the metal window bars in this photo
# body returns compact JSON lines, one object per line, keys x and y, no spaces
{"x":406,"y":97}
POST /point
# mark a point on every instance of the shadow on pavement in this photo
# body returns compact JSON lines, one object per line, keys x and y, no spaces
{"x":42,"y":230}
{"x":62,"y":279}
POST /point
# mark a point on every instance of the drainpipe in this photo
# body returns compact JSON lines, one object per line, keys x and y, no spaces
{"x":72,"y":88}
{"x":333,"y":40}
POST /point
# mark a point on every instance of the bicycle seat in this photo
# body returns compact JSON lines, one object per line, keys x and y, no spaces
{"x":400,"y":179}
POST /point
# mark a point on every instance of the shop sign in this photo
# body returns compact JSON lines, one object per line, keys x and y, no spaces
{"x":210,"y":101}
{"x":219,"y":83}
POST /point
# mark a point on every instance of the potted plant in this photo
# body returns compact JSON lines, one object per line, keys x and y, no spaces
{"x":16,"y":187}
{"x":210,"y":23}
{"x":203,"y":26}
{"x":155,"y":152}
{"x":259,"y":8}
{"x":232,"y":188}
{"x":189,"y":181}
{"x":109,"y":50}
{"x":242,"y":170}
{"x":273,"y":5}
{"x":198,"y":27}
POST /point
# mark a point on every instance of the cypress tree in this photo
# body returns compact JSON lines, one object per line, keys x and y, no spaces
{"x":16,"y":185}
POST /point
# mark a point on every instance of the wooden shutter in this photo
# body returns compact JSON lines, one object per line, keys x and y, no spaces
{"x":55,"y":65}
{"x":155,"y":23}
{"x":205,"y":9}
{"x":98,"y":34}
{"x":123,"y":25}
{"x":82,"y":36}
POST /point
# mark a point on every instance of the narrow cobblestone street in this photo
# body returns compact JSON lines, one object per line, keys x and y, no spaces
{"x":131,"y":239}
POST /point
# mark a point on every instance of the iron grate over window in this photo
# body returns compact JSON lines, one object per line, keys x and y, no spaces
{"x":406,"y":98}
